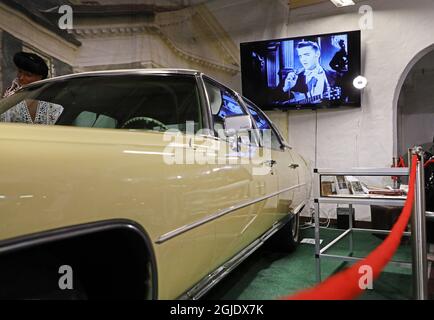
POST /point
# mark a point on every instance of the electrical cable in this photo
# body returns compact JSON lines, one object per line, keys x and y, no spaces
{"x":316,"y":138}
{"x":312,"y":210}
{"x":311,"y":224}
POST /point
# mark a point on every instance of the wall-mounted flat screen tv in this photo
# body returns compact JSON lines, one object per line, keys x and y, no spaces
{"x":304,"y":72}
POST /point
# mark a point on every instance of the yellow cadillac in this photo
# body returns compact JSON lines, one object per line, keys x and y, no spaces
{"x":152,"y":184}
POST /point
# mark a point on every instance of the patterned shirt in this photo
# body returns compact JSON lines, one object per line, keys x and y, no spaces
{"x":46,"y":113}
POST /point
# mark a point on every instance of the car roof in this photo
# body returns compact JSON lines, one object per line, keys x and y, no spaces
{"x":160,"y":71}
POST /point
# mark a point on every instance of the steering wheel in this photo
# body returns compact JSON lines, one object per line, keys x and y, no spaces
{"x":148,"y":122}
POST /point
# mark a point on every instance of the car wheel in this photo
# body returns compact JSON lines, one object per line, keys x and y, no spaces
{"x":287,"y":238}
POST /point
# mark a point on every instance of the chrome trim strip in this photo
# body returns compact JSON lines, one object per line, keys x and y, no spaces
{"x":218,"y":214}
{"x":300,"y":207}
{"x":213,"y":278}
{"x":205,"y":106}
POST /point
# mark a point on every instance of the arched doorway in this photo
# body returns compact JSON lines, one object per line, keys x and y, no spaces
{"x":414,"y":101}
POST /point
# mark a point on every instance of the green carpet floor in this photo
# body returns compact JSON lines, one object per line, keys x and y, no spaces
{"x":268,"y":274}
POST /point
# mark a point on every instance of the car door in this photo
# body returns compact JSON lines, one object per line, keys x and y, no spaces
{"x":236,"y":185}
{"x":112,"y":158}
{"x":282,"y":161}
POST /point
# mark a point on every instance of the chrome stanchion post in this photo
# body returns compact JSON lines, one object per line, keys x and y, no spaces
{"x":317,"y":243}
{"x":418,"y":232}
{"x":316,"y":196}
{"x":350,"y":225}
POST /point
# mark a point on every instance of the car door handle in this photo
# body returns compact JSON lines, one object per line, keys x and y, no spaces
{"x":269,"y":163}
{"x":293,"y":166}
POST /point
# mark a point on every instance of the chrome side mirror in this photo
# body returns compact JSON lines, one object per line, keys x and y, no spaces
{"x":237,"y":123}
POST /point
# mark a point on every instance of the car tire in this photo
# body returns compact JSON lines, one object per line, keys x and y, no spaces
{"x":288,"y":237}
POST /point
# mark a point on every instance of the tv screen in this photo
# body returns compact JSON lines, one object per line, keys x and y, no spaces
{"x":304,"y":72}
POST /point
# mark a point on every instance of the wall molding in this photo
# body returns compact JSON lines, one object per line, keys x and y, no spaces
{"x":220,"y":35}
{"x":151,"y":28}
{"x":120,"y":66}
{"x":199,"y":15}
{"x":22,"y":27}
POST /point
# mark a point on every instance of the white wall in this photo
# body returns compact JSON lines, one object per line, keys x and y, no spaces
{"x":364,"y":137}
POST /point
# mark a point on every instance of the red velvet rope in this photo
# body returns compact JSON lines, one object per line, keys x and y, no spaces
{"x":345,"y":285}
{"x":428,"y":162}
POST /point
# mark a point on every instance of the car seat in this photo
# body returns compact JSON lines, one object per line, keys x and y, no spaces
{"x":93,"y":120}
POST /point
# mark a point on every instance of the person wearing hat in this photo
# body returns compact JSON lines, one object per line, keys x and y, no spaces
{"x":31,"y":68}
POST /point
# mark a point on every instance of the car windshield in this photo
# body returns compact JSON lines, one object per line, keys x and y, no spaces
{"x":150,"y":102}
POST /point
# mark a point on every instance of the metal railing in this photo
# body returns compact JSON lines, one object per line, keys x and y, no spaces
{"x":418,"y":225}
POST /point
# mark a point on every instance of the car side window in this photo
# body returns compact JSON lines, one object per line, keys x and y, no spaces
{"x":223,"y":104}
{"x":264,"y":126}
{"x":137,"y":102}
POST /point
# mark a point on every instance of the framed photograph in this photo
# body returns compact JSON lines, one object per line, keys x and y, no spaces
{"x":327,"y":188}
{"x":355,"y":186}
{"x":342,"y":185}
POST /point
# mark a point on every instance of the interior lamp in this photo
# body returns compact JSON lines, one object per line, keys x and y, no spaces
{"x":343,"y":3}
